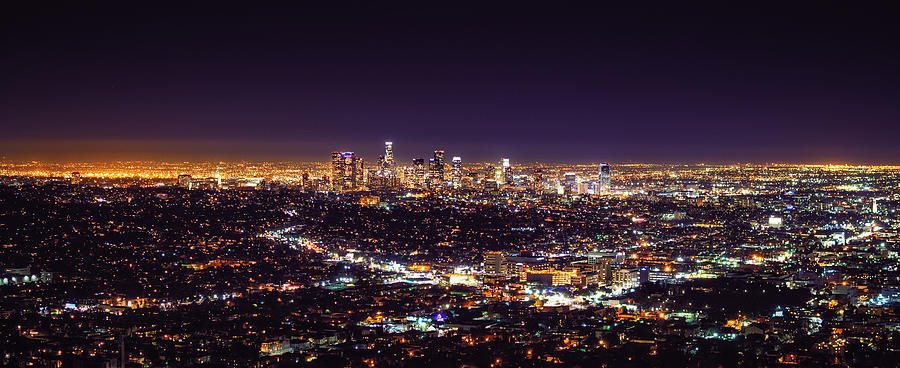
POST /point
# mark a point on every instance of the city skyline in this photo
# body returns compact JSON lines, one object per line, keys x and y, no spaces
{"x":449,"y":185}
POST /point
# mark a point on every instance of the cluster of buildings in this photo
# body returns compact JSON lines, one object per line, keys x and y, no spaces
{"x":349,"y":173}
{"x":677,"y":264}
{"x":597,"y":268}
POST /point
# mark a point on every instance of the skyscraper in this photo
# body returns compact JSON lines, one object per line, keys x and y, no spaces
{"x":184,"y":181}
{"x":570,"y":182}
{"x":605,"y":173}
{"x":387,"y":169}
{"x":538,"y":178}
{"x":456,"y":173}
{"x":436,"y":169}
{"x":382,"y":164}
{"x":346,"y":171}
{"x":494,"y":263}
{"x":419,"y":172}
{"x":389,"y":154}
{"x":504,"y":175}
{"x":337,"y":171}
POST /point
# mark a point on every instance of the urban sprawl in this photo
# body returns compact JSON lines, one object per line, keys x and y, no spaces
{"x":440,"y":262}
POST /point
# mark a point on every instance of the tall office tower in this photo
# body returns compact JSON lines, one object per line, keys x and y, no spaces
{"x":570,"y":183}
{"x":389,"y":155}
{"x":538,"y":177}
{"x":419,"y":172}
{"x":184,"y":181}
{"x":388,"y":168}
{"x":874,"y":205}
{"x":358,"y":178}
{"x":431,"y":178}
{"x":500,"y":170}
{"x":456,"y":171}
{"x":337,"y":171}
{"x":494,"y":263}
{"x":605,"y":173}
{"x":347,"y":171}
{"x":436,"y":169}
{"x":409,"y":176}
{"x":506,"y":176}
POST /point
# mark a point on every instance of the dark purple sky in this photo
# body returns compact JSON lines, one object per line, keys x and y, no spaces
{"x":713,"y":82}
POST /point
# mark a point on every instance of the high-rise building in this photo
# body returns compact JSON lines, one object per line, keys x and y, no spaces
{"x":569,"y":182}
{"x":409,"y":175}
{"x":337,"y":171}
{"x":494,"y":263}
{"x":605,"y":174}
{"x":538,"y":178}
{"x":504,"y":173}
{"x":436,"y":169}
{"x":184,"y":181}
{"x":387,"y":169}
{"x":389,"y":154}
{"x":347,"y":171}
{"x":419,"y":172}
{"x":456,"y":171}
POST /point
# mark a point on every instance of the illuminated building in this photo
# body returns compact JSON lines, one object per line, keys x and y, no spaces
{"x":273,"y":348}
{"x":605,"y":174}
{"x":204,"y":183}
{"x":346,"y":171}
{"x":184,"y":181}
{"x":569,"y":182}
{"x":456,"y":171}
{"x":369,"y":200}
{"x":337,"y":171}
{"x":504,"y":173}
{"x":584,"y":187}
{"x":519,"y":265}
{"x":625,"y":277}
{"x":490,"y":173}
{"x":436,"y":169}
{"x":419,"y":172}
{"x":551,"y":277}
{"x":389,"y":155}
{"x":76,"y":178}
{"x":775,"y":222}
{"x":494,"y":263}
{"x":538,"y":179}
{"x":388,"y":167}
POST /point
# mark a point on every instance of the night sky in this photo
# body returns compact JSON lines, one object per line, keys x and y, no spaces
{"x":705,"y":82}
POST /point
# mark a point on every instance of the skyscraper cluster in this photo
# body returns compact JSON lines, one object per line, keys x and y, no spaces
{"x":346,"y":171}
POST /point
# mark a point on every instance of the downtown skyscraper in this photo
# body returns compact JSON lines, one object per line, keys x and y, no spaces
{"x":346,"y":171}
{"x":604,"y":177}
{"x":419,"y":173}
{"x":436,"y":169}
{"x":456,"y":172}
